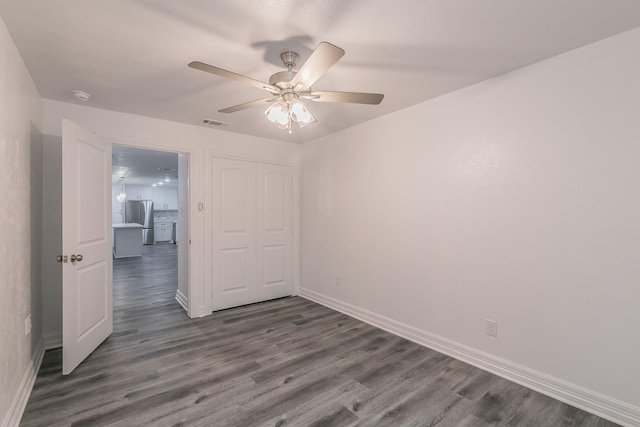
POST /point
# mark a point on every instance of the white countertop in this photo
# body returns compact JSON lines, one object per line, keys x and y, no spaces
{"x":128,"y":225}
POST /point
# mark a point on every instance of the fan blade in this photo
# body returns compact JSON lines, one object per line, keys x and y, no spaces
{"x":247,"y":105}
{"x":233,"y":76}
{"x":317,"y":64}
{"x":347,"y":97}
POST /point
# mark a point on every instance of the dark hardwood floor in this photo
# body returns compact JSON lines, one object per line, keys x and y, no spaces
{"x":285,"y":362}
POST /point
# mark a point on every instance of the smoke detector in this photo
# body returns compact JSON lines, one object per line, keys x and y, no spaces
{"x":82,"y":96}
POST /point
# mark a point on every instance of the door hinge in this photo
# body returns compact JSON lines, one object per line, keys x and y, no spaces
{"x":62,"y":258}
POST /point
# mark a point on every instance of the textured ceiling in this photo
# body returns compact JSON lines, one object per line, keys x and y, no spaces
{"x":132,"y":56}
{"x":143,"y":167}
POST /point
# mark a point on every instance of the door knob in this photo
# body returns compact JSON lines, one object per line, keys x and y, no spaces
{"x":75,"y":258}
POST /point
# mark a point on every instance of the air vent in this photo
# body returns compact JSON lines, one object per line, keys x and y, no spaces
{"x":215,"y":123}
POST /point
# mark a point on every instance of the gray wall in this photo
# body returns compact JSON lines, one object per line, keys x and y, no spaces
{"x":20,"y":220}
{"x":52,"y":241}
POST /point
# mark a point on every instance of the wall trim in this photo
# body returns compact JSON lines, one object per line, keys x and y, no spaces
{"x":16,"y":410}
{"x":53,"y":340}
{"x":580,"y":397}
{"x":182,"y":300}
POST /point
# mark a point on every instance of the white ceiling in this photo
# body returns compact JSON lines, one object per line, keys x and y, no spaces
{"x":143,"y":167}
{"x":132,"y":56}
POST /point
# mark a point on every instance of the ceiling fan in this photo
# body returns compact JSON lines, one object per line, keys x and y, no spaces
{"x":288,"y":88}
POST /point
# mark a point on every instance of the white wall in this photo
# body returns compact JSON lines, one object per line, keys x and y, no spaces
{"x":515,"y":199}
{"x":132,"y":130}
{"x":20,"y":225}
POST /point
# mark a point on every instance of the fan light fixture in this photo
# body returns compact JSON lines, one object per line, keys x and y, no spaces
{"x":282,"y":113}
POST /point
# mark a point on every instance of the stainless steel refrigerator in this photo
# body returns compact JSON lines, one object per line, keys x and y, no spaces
{"x":141,"y":212}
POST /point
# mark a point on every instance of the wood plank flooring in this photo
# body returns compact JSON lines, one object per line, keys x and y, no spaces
{"x":288,"y":362}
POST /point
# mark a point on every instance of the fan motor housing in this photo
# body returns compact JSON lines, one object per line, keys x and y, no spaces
{"x":282,"y":79}
{"x":289,"y":58}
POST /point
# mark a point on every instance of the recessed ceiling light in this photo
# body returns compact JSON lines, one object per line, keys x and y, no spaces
{"x":160,"y":183}
{"x":167,"y":180}
{"x":82,"y":96}
{"x":154,"y":185}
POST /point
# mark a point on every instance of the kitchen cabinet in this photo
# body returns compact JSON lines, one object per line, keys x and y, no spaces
{"x":171,"y":198}
{"x":163,"y":231}
{"x":127,"y":240}
{"x":165,"y":199}
{"x":139,"y":192}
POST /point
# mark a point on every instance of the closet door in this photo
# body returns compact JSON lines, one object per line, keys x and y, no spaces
{"x":233,"y":217}
{"x":274,"y":231}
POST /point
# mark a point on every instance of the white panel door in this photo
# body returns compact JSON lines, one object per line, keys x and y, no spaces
{"x":86,"y":243}
{"x":233,"y":217}
{"x":274,"y":233}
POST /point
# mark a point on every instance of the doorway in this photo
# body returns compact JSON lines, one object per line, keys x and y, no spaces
{"x":149,"y":201}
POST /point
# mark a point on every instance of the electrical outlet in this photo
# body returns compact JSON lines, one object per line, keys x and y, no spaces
{"x":27,"y":325}
{"x":491,"y":327}
{"x":338,"y":281}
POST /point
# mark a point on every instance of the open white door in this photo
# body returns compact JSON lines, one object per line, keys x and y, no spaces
{"x":86,"y":243}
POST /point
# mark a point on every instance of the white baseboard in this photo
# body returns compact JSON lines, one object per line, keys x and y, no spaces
{"x":588,"y":400}
{"x":13,"y":417}
{"x":182,"y":300}
{"x":52,"y":341}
